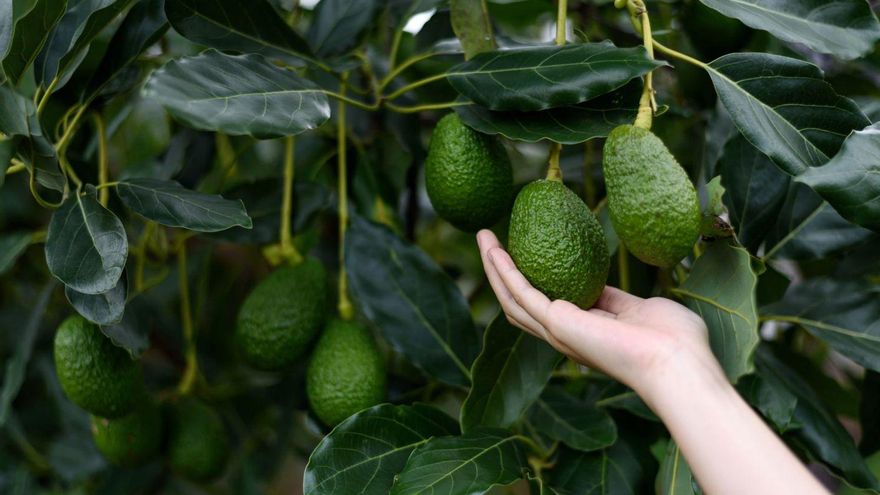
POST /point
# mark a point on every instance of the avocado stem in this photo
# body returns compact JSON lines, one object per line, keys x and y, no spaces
{"x":288,"y":249}
{"x":642,"y":22}
{"x":622,"y":268}
{"x":189,"y":340}
{"x":346,"y":310}
{"x":554,"y":171}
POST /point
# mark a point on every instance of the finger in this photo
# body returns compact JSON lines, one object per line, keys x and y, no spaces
{"x":602,"y":312}
{"x":529,"y":298}
{"x":572,"y":325}
{"x":614,"y":300}
{"x":487,"y":241}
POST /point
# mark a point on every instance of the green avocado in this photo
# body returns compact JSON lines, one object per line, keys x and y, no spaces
{"x":558,"y":244}
{"x":132,"y":439}
{"x":346,"y":373}
{"x":712,"y":33}
{"x":282,"y":314}
{"x":652,"y":203}
{"x":198,"y":446}
{"x":95,"y":374}
{"x":467,"y":175}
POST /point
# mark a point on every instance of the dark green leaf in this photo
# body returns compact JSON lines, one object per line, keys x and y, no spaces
{"x":338,"y":24}
{"x":243,"y":94}
{"x":101,"y":309}
{"x":168,"y":203}
{"x":419,"y":309}
{"x":133,"y":332}
{"x":471,"y":24}
{"x":12,"y":246}
{"x":785,"y":108}
{"x":366,"y":451}
{"x":570,"y":124}
{"x":7,"y":151}
{"x":249,"y":27}
{"x":846,"y":28}
{"x":617,"y":470}
{"x":628,"y":401}
{"x":577,"y":423}
{"x":31,"y":30}
{"x":465,"y":465}
{"x":851,"y":180}
{"x":542,"y":77}
{"x":844,"y":314}
{"x":143,"y":26}
{"x":869,"y":410}
{"x":14,"y":112}
{"x":508,"y":375}
{"x":675,"y":477}
{"x":727,"y":304}
{"x":70,"y":39}
{"x":86,"y":247}
{"x":769,"y":396}
{"x":7,"y":25}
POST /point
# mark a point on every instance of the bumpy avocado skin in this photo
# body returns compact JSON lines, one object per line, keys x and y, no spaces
{"x":282,"y":314}
{"x":467,"y":175}
{"x":132,"y":439}
{"x":95,"y":374}
{"x":652,"y":203}
{"x":346,"y":373}
{"x":558,"y":244}
{"x":198,"y":446}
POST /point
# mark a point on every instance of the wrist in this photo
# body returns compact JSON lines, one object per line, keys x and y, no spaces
{"x":670,"y":383}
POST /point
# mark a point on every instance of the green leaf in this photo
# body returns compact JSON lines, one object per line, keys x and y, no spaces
{"x":755,"y":190}
{"x":142,"y":27}
{"x":820,"y":429}
{"x":366,"y":451}
{"x":237,"y":95}
{"x":675,"y":477}
{"x":7,"y":151}
{"x":851,"y":180}
{"x":846,"y":28}
{"x":570,"y":124}
{"x":86,"y":247}
{"x":508,"y":375}
{"x":418,"y":308}
{"x":12,"y":245}
{"x":248,"y":27}
{"x":31,"y":30}
{"x":472,"y":25}
{"x":338,"y":24}
{"x":132,"y":333}
{"x":16,"y":365}
{"x":844,"y":314}
{"x":168,"y":203}
{"x":70,"y":39}
{"x":14,"y":112}
{"x":470,"y":464}
{"x":785,"y":108}
{"x":542,"y":77}
{"x":727,"y":304}
{"x":7,"y":26}
{"x":577,"y":423}
{"x":770,"y":396}
{"x":101,"y":309}
{"x":617,"y":470}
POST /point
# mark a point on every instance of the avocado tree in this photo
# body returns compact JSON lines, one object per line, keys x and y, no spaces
{"x":233,"y":259}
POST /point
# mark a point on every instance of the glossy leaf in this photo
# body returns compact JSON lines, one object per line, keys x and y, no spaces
{"x":844,"y":314}
{"x":772,"y":398}
{"x":30,"y":33}
{"x":68,"y":42}
{"x":542,"y":77}
{"x":617,"y":470}
{"x":7,"y":26}
{"x":472,"y":26}
{"x":727,"y":304}
{"x":785,"y":108}
{"x":237,"y":95}
{"x":14,"y":112}
{"x":846,"y":28}
{"x":577,"y":423}
{"x":248,"y":27}
{"x":851,"y":180}
{"x":132,"y":332}
{"x":508,"y":375}
{"x":338,"y":25}
{"x":675,"y":477}
{"x":366,"y":451}
{"x":86,"y":247}
{"x":418,"y":308}
{"x":570,"y":124}
{"x":168,"y":203}
{"x":465,"y":465}
{"x":12,"y":245}
{"x":101,"y":309}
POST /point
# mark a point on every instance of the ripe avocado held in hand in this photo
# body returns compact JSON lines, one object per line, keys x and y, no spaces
{"x":282,"y":314}
{"x":652,"y":203}
{"x":132,"y":439}
{"x":94,"y":373}
{"x":558,"y":244}
{"x":346,"y":373}
{"x":198,"y":446}
{"x":467,"y":175}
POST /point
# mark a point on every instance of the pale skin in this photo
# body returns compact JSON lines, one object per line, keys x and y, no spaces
{"x":661,"y":350}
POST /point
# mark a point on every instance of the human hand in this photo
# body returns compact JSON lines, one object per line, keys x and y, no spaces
{"x":636,"y":341}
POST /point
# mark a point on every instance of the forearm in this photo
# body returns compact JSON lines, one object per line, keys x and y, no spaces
{"x":727,"y":445}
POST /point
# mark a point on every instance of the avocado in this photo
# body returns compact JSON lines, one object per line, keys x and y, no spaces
{"x":467,"y":175}
{"x":558,"y":244}
{"x":132,"y":439}
{"x":346,"y":373}
{"x":198,"y":446}
{"x":651,"y":201}
{"x":282,"y":314}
